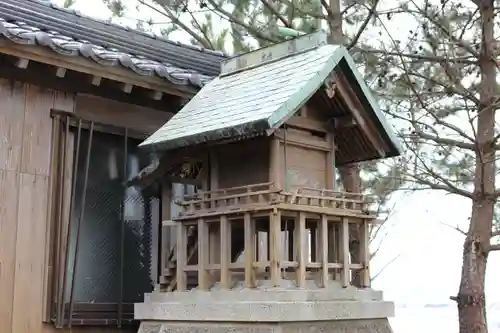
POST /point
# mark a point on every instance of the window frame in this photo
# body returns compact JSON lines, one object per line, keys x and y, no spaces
{"x":61,"y":183}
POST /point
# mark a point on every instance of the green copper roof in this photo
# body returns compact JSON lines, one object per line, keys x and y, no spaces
{"x":251,"y":97}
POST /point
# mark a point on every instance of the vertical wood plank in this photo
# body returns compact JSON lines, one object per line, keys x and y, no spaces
{"x":275,"y":247}
{"x":344,"y":252}
{"x":9,"y":181}
{"x":12,"y":97}
{"x":324,"y":250}
{"x":300,"y":245}
{"x":249,"y":230}
{"x":225,"y":252}
{"x":181,"y":257}
{"x":203,"y":252}
{"x":365,"y":254}
{"x":35,"y":154}
{"x":30,"y":246}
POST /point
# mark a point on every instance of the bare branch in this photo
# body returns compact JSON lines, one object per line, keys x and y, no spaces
{"x":276,"y":13}
{"x":371,"y":12}
{"x":175,"y":20}
{"x":468,"y":60}
{"x":387,"y":264}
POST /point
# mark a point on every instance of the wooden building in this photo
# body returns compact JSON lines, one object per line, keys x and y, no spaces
{"x":77,"y":245}
{"x":261,"y":142}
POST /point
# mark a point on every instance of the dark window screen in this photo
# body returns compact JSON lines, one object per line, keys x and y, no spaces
{"x":97,"y":278}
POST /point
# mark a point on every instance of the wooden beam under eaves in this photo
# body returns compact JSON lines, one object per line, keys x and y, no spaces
{"x":349,"y":97}
{"x":22,"y":63}
{"x":60,"y":72}
{"x":127,"y":88}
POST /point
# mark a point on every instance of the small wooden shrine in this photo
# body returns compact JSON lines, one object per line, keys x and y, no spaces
{"x":261,"y":142}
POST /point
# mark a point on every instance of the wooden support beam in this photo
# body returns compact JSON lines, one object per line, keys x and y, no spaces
{"x":300,"y":249}
{"x":350,"y":99}
{"x":22,"y":63}
{"x":225,"y":252}
{"x":344,"y":122}
{"x":323,"y":231}
{"x":274,"y":158}
{"x":344,"y":252}
{"x":365,"y":254}
{"x":203,"y":252}
{"x":181,"y":257}
{"x":60,"y":72}
{"x":127,"y":88}
{"x":166,"y":199}
{"x":249,"y":230}
{"x":275,"y":246}
{"x":96,"y":80}
{"x":156,"y":95}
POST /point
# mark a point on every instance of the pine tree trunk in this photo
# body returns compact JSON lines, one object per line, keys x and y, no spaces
{"x":349,"y":174}
{"x":351,"y":179}
{"x":471,"y":296}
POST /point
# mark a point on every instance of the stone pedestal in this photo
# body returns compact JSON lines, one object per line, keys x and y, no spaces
{"x":266,"y":310}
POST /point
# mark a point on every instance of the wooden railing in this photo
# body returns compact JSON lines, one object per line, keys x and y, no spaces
{"x":328,"y":199}
{"x":267,"y":194}
{"x":254,"y":194}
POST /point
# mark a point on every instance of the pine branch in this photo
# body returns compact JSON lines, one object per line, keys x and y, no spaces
{"x":445,"y":141}
{"x":493,"y":247}
{"x":361,"y":29}
{"x":495,"y":234}
{"x":231,"y":18}
{"x":276,"y":13}
{"x":178,"y":22}
{"x":468,"y":60}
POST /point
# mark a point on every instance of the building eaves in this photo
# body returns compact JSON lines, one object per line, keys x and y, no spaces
{"x":69,"y":32}
{"x":22,"y":33}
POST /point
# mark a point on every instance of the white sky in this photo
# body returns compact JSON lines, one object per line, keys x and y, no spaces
{"x":428,"y":270}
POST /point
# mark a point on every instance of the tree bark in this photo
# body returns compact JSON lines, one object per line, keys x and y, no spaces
{"x":351,"y":179}
{"x":349,"y":174}
{"x":471,"y":296}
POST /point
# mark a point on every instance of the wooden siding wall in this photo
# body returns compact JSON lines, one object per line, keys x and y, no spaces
{"x":25,"y":151}
{"x":243,"y":163}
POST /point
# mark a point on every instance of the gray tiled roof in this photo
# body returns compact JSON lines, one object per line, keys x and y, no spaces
{"x":67,"y":32}
{"x":249,"y":100}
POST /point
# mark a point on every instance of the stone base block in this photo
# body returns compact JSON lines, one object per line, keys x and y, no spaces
{"x":338,"y":326}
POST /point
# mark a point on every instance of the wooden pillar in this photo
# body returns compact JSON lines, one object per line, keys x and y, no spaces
{"x":330,"y":164}
{"x":314,"y":243}
{"x":275,"y":246}
{"x":274,"y":165}
{"x":300,"y":249}
{"x":203,"y":253}
{"x":344,"y":252}
{"x":324,"y":250}
{"x":166,"y":215}
{"x":365,"y":253}
{"x":249,"y":230}
{"x":225,"y":252}
{"x":181,"y":257}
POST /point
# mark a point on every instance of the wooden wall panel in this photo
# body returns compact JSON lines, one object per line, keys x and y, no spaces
{"x":243,"y":163}
{"x":37,"y":131}
{"x":25,"y":150}
{"x":12,"y":98}
{"x":8,"y":231}
{"x":306,"y":167}
{"x":30,"y":253}
{"x":107,"y":111}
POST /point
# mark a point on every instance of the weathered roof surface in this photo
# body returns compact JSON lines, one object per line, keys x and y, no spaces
{"x":69,"y":33}
{"x":251,"y":97}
